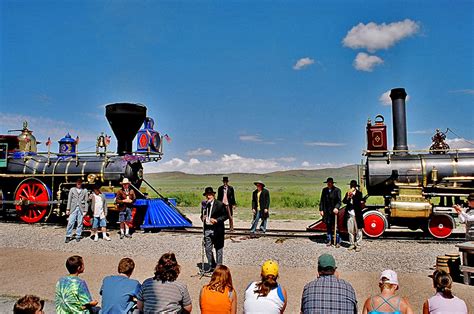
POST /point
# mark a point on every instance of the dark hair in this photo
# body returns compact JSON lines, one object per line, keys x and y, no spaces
{"x":442,"y":282}
{"x":167,"y":268}
{"x":268,"y":283}
{"x":126,"y":266}
{"x":325,"y":271}
{"x":73,"y":263}
{"x":28,"y":304}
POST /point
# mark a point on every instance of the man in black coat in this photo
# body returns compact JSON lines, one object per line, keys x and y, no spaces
{"x":260,"y":207}
{"x":329,"y":207}
{"x":353,"y":215}
{"x":225,"y":194}
{"x":213,"y":215}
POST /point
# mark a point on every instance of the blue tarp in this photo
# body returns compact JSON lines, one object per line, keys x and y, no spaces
{"x":160,"y":214}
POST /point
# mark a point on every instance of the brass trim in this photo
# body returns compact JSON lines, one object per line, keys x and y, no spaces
{"x":423,"y":171}
{"x":102,"y":169}
{"x":83,"y":166}
{"x":66,"y":170}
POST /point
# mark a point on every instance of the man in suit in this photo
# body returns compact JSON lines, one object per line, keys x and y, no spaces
{"x":260,"y":207}
{"x":76,"y":209}
{"x":353,"y":215}
{"x":225,"y":194}
{"x":329,"y":207}
{"x":213,"y":215}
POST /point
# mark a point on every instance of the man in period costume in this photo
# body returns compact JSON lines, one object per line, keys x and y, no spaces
{"x":124,"y":199}
{"x":467,"y":217}
{"x":225,"y":194}
{"x":329,"y":207}
{"x":76,"y":209}
{"x":353,"y":215}
{"x":260,"y":207}
{"x":213,"y":215}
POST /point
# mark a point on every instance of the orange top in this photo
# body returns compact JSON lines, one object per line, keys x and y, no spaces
{"x":214,"y":301}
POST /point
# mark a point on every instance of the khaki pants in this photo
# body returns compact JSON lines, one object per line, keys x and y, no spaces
{"x":355,"y":234}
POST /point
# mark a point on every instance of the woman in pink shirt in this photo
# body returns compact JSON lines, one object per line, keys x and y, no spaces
{"x":443,"y":301}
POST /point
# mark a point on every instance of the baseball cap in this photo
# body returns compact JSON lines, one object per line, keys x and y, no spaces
{"x":390,"y":275}
{"x":270,"y":268}
{"x":326,"y":260}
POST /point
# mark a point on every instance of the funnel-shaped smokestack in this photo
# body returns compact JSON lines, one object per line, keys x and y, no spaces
{"x":398,"y":96}
{"x":125,"y":120}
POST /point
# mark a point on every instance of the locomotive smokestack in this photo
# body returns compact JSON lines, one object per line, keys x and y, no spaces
{"x":398,"y":96}
{"x":125,"y":120}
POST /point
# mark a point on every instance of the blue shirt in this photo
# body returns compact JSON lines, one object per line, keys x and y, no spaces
{"x":117,"y":293}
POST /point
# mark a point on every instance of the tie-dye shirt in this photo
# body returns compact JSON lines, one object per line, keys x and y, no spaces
{"x":71,"y":294}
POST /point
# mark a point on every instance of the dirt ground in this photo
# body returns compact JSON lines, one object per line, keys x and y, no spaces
{"x":36,"y":272}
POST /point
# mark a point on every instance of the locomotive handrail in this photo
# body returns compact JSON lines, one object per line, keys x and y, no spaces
{"x":450,"y":151}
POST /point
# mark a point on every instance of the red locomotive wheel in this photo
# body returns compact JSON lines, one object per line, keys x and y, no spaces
{"x":441,"y":226}
{"x":375,"y":224}
{"x":34,"y":196}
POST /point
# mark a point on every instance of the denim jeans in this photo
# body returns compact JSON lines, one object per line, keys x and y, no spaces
{"x":75,"y":216}
{"x":263,"y":225}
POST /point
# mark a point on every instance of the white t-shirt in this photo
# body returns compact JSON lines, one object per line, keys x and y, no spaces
{"x":272,"y":303}
{"x":98,"y":210}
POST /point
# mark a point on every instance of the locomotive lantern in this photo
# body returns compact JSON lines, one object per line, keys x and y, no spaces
{"x":148,"y":140}
{"x":67,"y":146}
{"x":377,"y":136}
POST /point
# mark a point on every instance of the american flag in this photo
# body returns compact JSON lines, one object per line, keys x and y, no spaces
{"x":77,"y":140}
{"x":48,"y":142}
{"x":167,"y":138}
{"x":107,"y":140}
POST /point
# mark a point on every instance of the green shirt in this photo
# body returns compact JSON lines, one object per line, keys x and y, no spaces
{"x":72,"y":294}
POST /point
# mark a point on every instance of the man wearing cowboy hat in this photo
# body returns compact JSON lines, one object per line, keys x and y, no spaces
{"x":225,"y":194}
{"x":124,"y":200}
{"x":353,"y":215}
{"x":467,"y":217}
{"x":260,"y":207}
{"x":213,"y":215}
{"x":329,"y":207}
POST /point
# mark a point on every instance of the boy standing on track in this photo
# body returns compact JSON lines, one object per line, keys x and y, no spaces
{"x":99,"y":210}
{"x":125,"y":198}
{"x":76,"y":208}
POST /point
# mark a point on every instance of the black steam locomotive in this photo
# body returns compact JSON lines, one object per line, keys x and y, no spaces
{"x":36,"y":185}
{"x":419,"y":189}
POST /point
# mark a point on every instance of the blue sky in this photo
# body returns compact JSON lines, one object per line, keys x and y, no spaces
{"x":240,"y":86}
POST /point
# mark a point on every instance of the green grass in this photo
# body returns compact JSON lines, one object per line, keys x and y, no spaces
{"x":294,"y":194}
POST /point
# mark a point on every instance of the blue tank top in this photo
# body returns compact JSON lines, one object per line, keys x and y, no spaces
{"x":396,"y":309}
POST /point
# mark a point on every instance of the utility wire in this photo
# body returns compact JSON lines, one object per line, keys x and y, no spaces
{"x":460,"y":137}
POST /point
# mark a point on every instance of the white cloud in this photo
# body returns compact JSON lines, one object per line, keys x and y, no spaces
{"x":227,"y":163}
{"x":385,"y":99}
{"x":374,"y":36}
{"x":325,"y":144}
{"x":463,"y":91}
{"x":459,"y":143}
{"x":200,"y":152}
{"x":303,"y":63}
{"x":421,"y":132}
{"x":366,"y":62}
{"x":250,"y":138}
{"x":287,"y":159}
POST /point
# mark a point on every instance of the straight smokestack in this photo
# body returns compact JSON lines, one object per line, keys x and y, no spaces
{"x":398,"y":96}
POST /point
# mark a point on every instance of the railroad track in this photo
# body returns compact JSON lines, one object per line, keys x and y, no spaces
{"x":390,"y":234}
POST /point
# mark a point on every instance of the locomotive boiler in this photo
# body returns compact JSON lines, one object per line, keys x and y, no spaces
{"x":418,"y":188}
{"x":36,"y":185}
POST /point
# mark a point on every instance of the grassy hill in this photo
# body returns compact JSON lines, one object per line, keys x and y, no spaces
{"x":294,"y":194}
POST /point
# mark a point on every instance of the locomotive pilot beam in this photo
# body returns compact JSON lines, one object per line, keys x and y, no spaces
{"x":36,"y":185}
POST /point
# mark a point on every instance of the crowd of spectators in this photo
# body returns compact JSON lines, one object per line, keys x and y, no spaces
{"x":164,"y":293}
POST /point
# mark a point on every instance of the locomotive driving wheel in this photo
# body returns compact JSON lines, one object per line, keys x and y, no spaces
{"x":441,"y":226}
{"x":32,"y":198}
{"x":375,"y":223}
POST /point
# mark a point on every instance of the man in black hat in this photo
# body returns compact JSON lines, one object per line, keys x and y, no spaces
{"x":467,"y":217}
{"x":213,"y":215}
{"x":353,"y":215}
{"x":225,"y":194}
{"x":260,"y":207}
{"x":329,"y":207}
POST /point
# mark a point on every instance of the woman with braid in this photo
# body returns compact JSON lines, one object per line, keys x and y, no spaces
{"x":266,"y":296}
